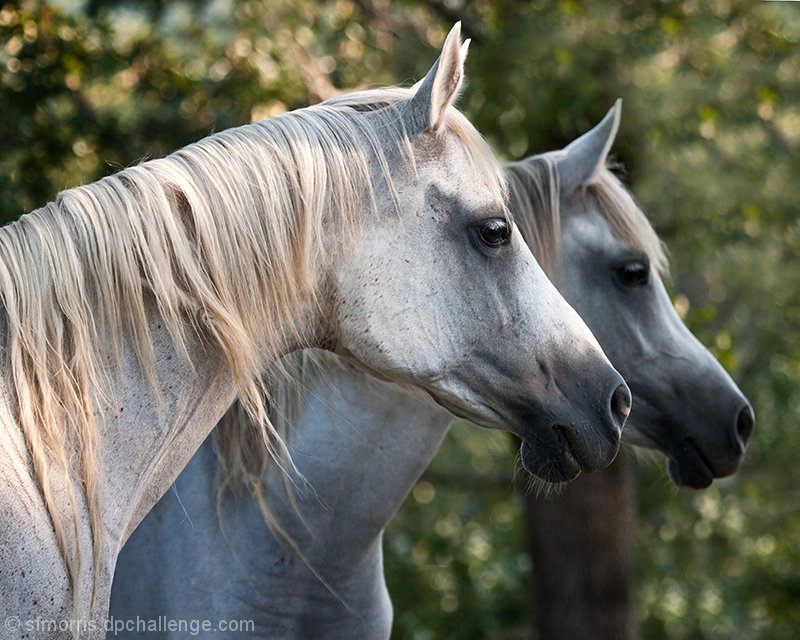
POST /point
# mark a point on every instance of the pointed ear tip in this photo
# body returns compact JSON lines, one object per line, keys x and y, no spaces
{"x":453,"y":48}
{"x":455,"y":32}
{"x":611,"y":120}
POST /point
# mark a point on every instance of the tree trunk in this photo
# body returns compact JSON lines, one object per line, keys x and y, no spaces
{"x":580,"y":542}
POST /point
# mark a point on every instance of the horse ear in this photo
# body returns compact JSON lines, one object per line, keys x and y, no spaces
{"x":582,"y":158}
{"x":426,"y":110}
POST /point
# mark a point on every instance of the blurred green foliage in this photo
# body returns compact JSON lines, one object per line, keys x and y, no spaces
{"x":711,"y":140}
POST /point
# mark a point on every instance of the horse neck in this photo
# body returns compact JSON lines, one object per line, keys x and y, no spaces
{"x":360,"y":446}
{"x":145,"y":441}
{"x":150,"y":435}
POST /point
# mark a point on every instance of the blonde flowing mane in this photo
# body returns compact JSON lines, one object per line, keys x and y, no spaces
{"x":535,"y":203}
{"x":225,"y":239}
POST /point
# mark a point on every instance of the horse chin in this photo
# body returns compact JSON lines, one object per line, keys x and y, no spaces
{"x":686,"y":464}
{"x":690,"y":470}
{"x":553,"y":466}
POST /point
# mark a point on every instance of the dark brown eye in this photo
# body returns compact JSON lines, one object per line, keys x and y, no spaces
{"x":635,"y":273}
{"x":495,"y":233}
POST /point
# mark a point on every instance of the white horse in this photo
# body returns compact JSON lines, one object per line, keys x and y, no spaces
{"x":361,"y":444}
{"x":136,"y":308}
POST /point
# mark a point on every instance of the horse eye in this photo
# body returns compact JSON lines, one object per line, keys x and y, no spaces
{"x":495,"y":233}
{"x":634,"y":273}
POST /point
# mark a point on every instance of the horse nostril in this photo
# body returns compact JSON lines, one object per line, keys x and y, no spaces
{"x":745,"y":422}
{"x":621,"y":404}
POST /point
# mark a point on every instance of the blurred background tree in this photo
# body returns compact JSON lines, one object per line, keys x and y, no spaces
{"x":711,"y":141}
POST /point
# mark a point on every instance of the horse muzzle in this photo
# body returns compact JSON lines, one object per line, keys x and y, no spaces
{"x":560,"y":449}
{"x":695,"y":461}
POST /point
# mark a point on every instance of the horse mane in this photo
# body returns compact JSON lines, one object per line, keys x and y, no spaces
{"x":535,"y":204}
{"x":224,"y":239}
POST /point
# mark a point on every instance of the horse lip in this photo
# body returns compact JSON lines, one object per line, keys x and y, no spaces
{"x":570,"y":452}
{"x":702,"y":474}
{"x":585,"y":465}
{"x":702,"y":457}
{"x":568,"y":446}
{"x":568,"y":466}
